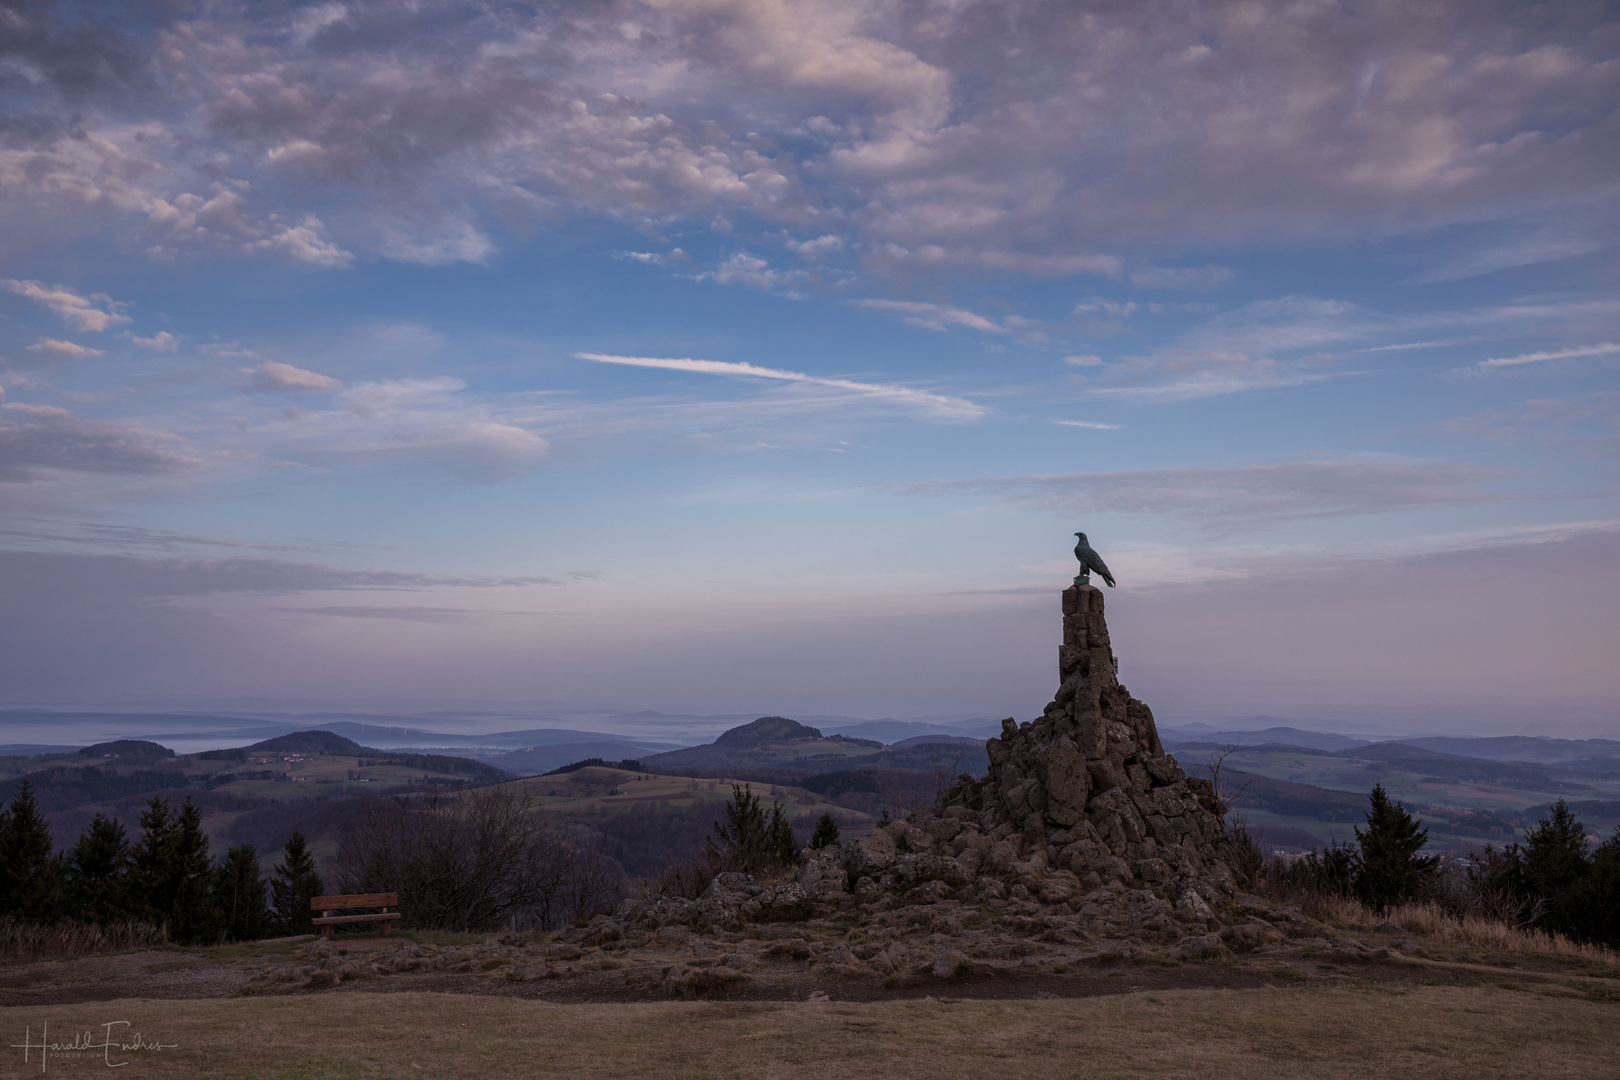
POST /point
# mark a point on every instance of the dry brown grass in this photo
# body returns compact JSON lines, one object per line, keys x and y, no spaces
{"x":21,"y":940}
{"x":1467,"y":1033}
{"x":1429,"y":921}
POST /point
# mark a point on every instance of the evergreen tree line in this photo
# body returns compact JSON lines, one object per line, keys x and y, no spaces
{"x":1554,"y":880}
{"x":164,"y":876}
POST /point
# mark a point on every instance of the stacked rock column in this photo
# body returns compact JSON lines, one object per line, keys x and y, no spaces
{"x":1087,"y":787}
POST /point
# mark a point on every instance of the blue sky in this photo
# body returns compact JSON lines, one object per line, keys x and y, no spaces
{"x":733,"y":355}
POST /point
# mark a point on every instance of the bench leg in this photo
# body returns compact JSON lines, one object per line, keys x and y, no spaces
{"x":326,"y":931}
{"x":388,"y":928}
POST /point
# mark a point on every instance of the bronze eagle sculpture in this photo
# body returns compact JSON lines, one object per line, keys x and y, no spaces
{"x":1089,"y":561}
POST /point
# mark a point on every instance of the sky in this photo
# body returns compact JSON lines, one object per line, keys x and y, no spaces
{"x":751,"y":356}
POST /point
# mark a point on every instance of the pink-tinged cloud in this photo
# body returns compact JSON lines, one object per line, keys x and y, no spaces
{"x":66,"y":350}
{"x":275,"y":377}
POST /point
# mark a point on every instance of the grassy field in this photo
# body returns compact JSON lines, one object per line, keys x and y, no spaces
{"x":597,"y":790}
{"x":1412,"y":782}
{"x":1482,"y":1032}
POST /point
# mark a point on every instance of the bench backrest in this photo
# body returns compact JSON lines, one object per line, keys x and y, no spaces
{"x":337,"y":903}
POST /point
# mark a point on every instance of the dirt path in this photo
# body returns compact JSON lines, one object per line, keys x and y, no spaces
{"x":639,"y":976}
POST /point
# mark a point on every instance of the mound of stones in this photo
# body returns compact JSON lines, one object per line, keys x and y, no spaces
{"x":1081,"y":805}
{"x":1087,"y":789}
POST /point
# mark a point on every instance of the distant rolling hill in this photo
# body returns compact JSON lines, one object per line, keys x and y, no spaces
{"x":535,"y":760}
{"x":1536,"y":749}
{"x":258,"y":792}
{"x":1282,"y":736}
{"x":777,"y":742}
{"x":770,"y":740}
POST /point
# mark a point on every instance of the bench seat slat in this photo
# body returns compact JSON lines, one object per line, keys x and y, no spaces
{"x":376,"y":899}
{"x":355,"y":918}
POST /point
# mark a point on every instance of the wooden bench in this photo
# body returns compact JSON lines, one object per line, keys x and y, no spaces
{"x":328,"y":905}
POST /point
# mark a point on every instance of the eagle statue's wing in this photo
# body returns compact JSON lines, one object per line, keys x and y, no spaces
{"x":1094,"y":562}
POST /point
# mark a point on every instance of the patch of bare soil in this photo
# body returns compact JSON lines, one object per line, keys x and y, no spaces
{"x":771,"y":963}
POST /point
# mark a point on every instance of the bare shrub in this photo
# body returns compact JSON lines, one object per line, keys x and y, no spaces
{"x":1247,"y":859}
{"x":1319,"y":883}
{"x":1483,"y":885}
{"x":23,"y":940}
{"x":681,"y":879}
{"x":1225,"y":792}
{"x":474,"y":861}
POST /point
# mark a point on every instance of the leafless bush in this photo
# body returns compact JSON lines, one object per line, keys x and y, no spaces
{"x":21,"y":940}
{"x":1481,"y":885}
{"x":473,"y":861}
{"x":1248,"y":858}
{"x":683,"y":879}
{"x":1226,"y":793}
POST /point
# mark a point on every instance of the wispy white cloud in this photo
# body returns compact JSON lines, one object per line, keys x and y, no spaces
{"x":751,"y":271}
{"x":275,"y":377}
{"x":653,"y":258}
{"x":1529,"y":251}
{"x":89,"y":313}
{"x":1089,"y":424}
{"x":935,"y":316}
{"x":1188,"y":374}
{"x":1190,"y":277}
{"x":1608,"y":348}
{"x":938,"y":405}
{"x":1408,"y":346}
{"x":1588,"y":423}
{"x":162,"y":341}
{"x":423,"y":423}
{"x":66,"y":349}
{"x":1242,"y":496}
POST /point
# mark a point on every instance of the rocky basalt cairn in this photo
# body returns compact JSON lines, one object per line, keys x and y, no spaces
{"x":1081,"y":801}
{"x":1088,"y":788}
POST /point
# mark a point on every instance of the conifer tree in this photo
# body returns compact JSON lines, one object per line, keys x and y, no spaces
{"x":1388,"y":866}
{"x":98,"y":872}
{"x":826,"y":833}
{"x":1555,"y":855}
{"x":153,"y":878}
{"x":780,"y":842}
{"x":1556,"y":861}
{"x":292,"y":885}
{"x":239,"y":895}
{"x":30,"y":874}
{"x":194,"y":917}
{"x":1594,"y":901}
{"x":752,"y":839}
{"x":171,"y":876}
